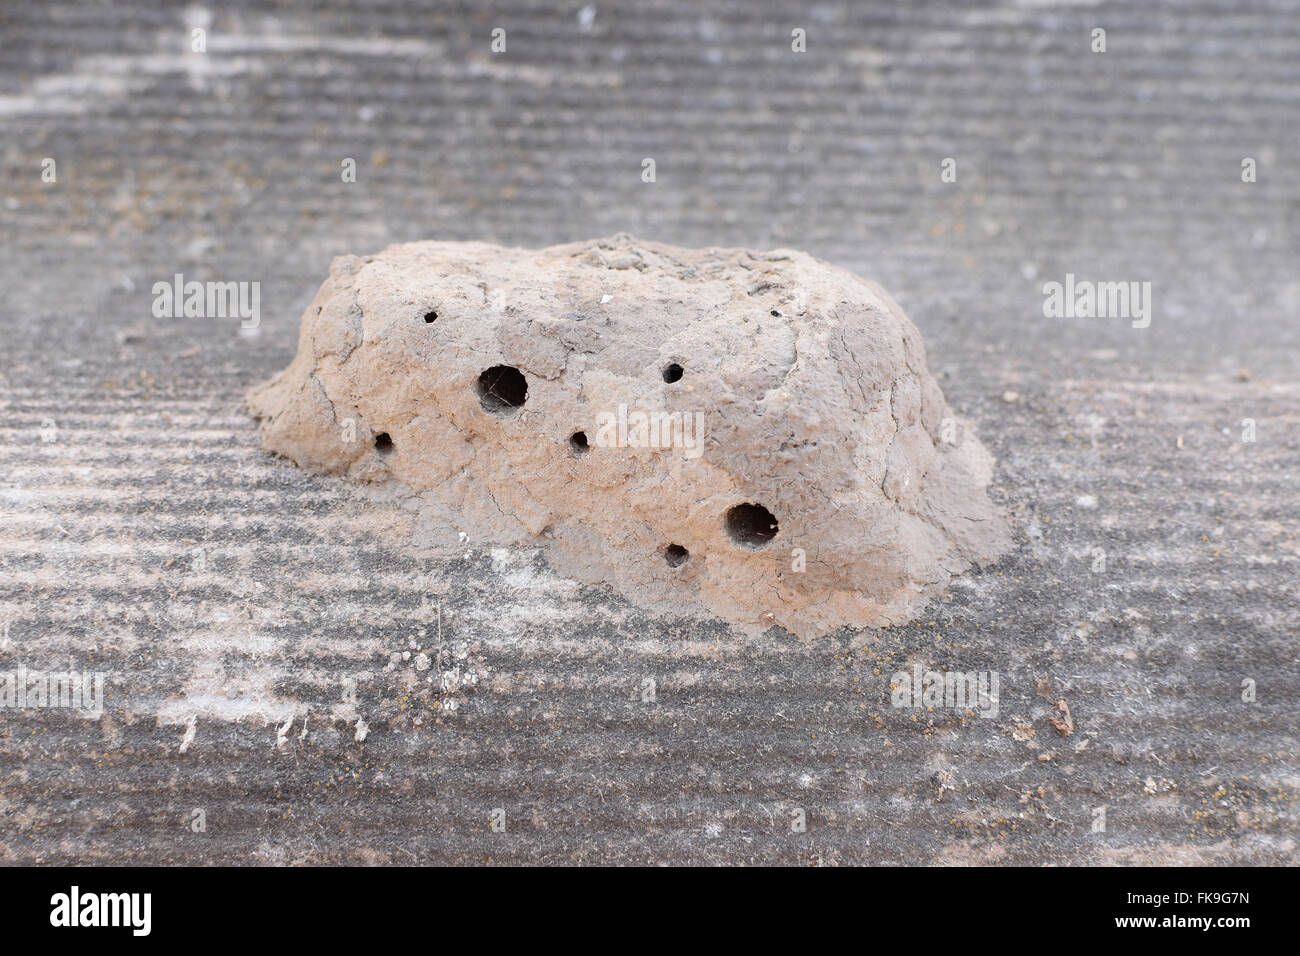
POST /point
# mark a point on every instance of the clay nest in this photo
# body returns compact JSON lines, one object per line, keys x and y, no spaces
{"x":753,"y":435}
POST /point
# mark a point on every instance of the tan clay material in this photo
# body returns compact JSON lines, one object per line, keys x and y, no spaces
{"x":753,"y":435}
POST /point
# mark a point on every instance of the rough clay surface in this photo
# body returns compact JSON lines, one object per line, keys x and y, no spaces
{"x":803,"y":389}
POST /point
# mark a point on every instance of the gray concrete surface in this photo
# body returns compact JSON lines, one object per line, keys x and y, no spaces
{"x":234,"y":602}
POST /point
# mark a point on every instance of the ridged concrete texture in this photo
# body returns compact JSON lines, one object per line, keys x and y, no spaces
{"x":324,"y":696}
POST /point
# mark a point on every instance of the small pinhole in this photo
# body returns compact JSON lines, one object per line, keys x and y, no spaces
{"x":384,"y":443}
{"x":431,"y":316}
{"x":578,"y":443}
{"x":676,"y":555}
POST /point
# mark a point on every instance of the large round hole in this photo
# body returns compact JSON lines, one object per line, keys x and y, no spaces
{"x":750,"y":525}
{"x":501,"y":390}
{"x":431,"y":316}
{"x":672,"y":373}
{"x":384,"y":443}
{"x":676,"y":555}
{"x":578,"y":442}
